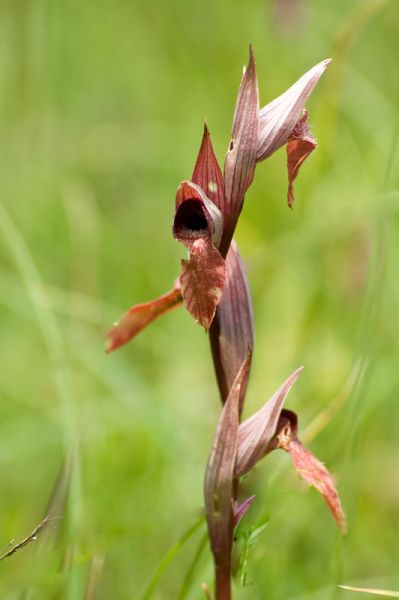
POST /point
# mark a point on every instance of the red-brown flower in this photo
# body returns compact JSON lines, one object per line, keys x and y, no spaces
{"x":213,"y":287}
{"x":208,"y":206}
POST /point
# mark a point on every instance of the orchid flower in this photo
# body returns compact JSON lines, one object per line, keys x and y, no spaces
{"x":238,"y":447}
{"x":213,"y":287}
{"x":207,"y":207}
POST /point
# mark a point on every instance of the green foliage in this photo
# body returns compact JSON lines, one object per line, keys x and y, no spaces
{"x":101,"y":113}
{"x":246,"y":539}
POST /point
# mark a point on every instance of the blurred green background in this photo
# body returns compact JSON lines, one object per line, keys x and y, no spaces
{"x":102,"y":105}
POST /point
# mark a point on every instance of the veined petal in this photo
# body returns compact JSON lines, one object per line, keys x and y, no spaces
{"x":207,"y":173}
{"x":239,"y":166}
{"x":308,"y":466}
{"x":141,"y":315}
{"x":300,"y":145}
{"x":198,"y":225}
{"x":231,"y":333}
{"x":219,"y":476}
{"x":256,"y":433}
{"x":202,"y":280}
{"x":279,"y":117}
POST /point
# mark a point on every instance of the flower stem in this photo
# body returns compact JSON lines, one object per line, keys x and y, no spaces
{"x":223,"y":582}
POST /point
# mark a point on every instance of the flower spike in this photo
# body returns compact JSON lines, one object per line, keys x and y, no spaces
{"x":256,"y":134}
{"x":214,"y":288}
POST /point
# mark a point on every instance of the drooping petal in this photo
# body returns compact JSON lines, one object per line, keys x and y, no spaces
{"x":139,"y":316}
{"x":207,"y":173}
{"x":279,"y":117}
{"x":202,"y":280}
{"x":198,"y":225}
{"x":239,"y":166}
{"x":219,"y":476}
{"x":231,"y":333}
{"x":242,"y":509}
{"x":315,"y":473}
{"x":256,"y":432}
{"x":308,"y":466}
{"x":300,"y":145}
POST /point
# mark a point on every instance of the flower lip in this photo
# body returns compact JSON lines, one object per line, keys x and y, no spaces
{"x":200,"y":219}
{"x":191,"y":220}
{"x":198,"y":224}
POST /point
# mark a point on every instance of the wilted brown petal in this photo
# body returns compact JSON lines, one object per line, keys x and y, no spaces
{"x":218,"y":486}
{"x":139,"y":316}
{"x":207,"y":173}
{"x":239,"y":166}
{"x":279,"y":117}
{"x":198,"y":225}
{"x":231,"y":333}
{"x":300,"y":144}
{"x":241,"y":510}
{"x":308,"y":467}
{"x":255,"y":434}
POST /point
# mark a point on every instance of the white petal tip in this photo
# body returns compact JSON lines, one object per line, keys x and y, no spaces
{"x":292,"y":378}
{"x":325,"y":63}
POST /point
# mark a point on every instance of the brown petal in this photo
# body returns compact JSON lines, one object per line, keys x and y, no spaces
{"x":300,"y":145}
{"x":218,"y":486}
{"x":139,"y":316}
{"x":231,"y":333}
{"x":309,"y":467}
{"x":207,"y":173}
{"x":279,"y":117}
{"x":255,"y":434}
{"x":239,"y":166}
{"x":202,"y":281}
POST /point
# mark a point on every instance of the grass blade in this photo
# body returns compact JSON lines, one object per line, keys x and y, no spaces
{"x":376,"y":592}
{"x":188,"y":579}
{"x":168,"y":558}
